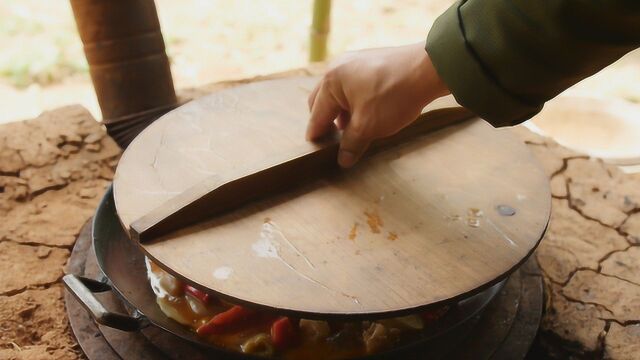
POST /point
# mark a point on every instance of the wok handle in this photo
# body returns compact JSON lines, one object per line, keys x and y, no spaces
{"x":83,"y":288}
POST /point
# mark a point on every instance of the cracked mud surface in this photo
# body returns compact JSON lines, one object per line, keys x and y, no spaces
{"x":55,"y":168}
{"x":53,"y":172}
{"x":590,"y":256}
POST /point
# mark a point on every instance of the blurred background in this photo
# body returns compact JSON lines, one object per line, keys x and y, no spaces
{"x":42,"y":64}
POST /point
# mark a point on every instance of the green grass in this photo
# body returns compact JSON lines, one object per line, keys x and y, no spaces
{"x":37,"y":50}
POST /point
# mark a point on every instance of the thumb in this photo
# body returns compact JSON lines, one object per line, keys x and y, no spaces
{"x":352,"y":146}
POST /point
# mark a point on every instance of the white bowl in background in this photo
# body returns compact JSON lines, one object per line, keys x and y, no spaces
{"x":599,"y":127}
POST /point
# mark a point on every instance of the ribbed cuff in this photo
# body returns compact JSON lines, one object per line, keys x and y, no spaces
{"x":469,"y":81}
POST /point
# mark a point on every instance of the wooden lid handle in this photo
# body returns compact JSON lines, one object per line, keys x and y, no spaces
{"x":218,"y":194}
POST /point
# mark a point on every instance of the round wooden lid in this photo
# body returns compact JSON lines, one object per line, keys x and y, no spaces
{"x":437,"y":218}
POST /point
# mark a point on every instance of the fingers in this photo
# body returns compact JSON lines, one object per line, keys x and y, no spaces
{"x":327,"y":114}
{"x":324,"y":110}
{"x":312,"y":97}
{"x":343,"y":120}
{"x":352,"y":146}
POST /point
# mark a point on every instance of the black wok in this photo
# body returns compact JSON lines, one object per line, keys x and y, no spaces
{"x":125,"y":273}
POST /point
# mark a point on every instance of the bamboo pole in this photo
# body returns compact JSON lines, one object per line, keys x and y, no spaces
{"x":320,"y":30}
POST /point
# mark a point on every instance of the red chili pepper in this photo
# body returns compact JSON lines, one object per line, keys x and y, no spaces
{"x":434,"y":315}
{"x":198,"y":294}
{"x":283,"y":333}
{"x":235,"y":316}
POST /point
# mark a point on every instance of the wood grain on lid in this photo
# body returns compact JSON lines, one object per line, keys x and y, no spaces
{"x":409,"y":227}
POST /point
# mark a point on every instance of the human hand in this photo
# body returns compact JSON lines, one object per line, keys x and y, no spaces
{"x":372,"y":94}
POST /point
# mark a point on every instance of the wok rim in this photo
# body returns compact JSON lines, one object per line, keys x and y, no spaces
{"x":484,"y":297}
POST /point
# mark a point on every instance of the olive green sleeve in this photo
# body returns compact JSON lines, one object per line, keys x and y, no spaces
{"x":503,"y":59}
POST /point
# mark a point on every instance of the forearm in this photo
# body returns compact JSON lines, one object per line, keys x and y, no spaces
{"x":504,"y":58}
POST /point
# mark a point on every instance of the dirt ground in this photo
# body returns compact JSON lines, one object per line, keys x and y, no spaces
{"x":52,"y":173}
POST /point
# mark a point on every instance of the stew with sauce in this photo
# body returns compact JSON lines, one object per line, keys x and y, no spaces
{"x":261,"y":333}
